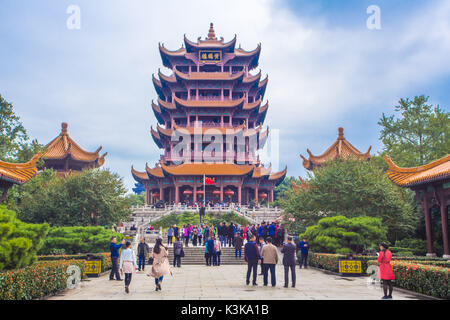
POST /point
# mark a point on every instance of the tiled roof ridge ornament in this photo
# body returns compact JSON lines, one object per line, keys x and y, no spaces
{"x":64,"y":127}
{"x":211,"y":33}
{"x":341,"y":133}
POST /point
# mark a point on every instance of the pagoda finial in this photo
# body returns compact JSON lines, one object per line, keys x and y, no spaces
{"x":211,"y":33}
{"x":341,"y":133}
{"x":64,"y":126}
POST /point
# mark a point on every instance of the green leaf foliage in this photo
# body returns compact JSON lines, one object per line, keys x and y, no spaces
{"x":344,"y":235}
{"x":352,"y":188}
{"x":76,"y":240}
{"x":19,"y":241}
{"x":91,"y":197}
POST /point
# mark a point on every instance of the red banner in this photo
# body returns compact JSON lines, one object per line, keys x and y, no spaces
{"x":209,"y":180}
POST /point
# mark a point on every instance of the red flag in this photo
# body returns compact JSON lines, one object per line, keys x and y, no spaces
{"x":209,"y":180}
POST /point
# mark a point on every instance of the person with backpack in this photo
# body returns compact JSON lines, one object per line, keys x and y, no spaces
{"x":238,"y":242}
{"x":178,"y":252}
{"x":230,"y":234}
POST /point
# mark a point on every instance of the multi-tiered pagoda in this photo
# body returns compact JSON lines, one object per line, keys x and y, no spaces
{"x":213,"y":104}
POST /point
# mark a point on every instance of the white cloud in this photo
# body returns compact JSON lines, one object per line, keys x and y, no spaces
{"x":320,"y":75}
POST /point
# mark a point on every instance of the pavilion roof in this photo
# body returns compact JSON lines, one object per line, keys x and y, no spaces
{"x":209,"y":103}
{"x":19,"y":173}
{"x":340,"y":149}
{"x":211,"y":41}
{"x":408,"y":177}
{"x":212,"y":169}
{"x":220,"y":76}
{"x":156,"y":137}
{"x":64,"y":146}
{"x":262,"y":171}
{"x":139,"y":176}
{"x":278,"y":176}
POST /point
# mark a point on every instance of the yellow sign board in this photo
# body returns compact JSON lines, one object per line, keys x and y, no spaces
{"x":209,"y":56}
{"x":350,"y":266}
{"x":93,"y":267}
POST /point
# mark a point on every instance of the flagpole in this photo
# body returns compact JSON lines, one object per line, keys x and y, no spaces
{"x":204,"y":192}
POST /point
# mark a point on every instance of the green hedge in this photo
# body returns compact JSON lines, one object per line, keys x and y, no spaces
{"x":77,"y":240}
{"x":104,"y":257}
{"x":39,"y":280}
{"x":426,"y":279}
{"x":194,"y":218}
{"x":330,"y":261}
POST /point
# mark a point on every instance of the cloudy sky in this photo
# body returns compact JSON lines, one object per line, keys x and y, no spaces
{"x":326,"y":68}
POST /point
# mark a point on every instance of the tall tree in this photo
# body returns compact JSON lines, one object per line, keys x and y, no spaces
{"x":352,"y":188}
{"x":419,"y":135}
{"x":12,"y":132}
{"x":92,"y":197}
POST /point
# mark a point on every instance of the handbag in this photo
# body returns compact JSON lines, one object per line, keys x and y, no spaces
{"x":182,"y":253}
{"x":150,"y":261}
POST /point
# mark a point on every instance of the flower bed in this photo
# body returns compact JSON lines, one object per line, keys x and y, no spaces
{"x":104,"y":257}
{"x":427,"y":279}
{"x":37,"y":281}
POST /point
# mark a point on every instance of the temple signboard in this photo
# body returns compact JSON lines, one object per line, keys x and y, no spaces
{"x":210,"y":56}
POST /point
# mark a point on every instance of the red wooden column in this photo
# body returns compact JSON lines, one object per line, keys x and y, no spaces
{"x":256,"y":194}
{"x":177,"y":194}
{"x":221,"y":189}
{"x":147,"y":195}
{"x":161,"y":193}
{"x":194,"y":193}
{"x":239,"y":195}
{"x":271,"y":196}
{"x":428,"y":226}
{"x":444,"y":220}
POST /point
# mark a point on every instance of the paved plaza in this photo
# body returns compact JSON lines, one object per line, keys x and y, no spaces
{"x":197,"y":282}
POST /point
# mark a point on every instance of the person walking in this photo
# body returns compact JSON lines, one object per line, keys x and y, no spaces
{"x":385,"y":272}
{"x":261,"y":245}
{"x":127,"y":264}
{"x":170,"y":233}
{"x":161,"y":265}
{"x":251,"y":256}
{"x":289,"y":250}
{"x":303,"y":246}
{"x":238,"y":242}
{"x":143,"y":251}
{"x":177,"y":252}
{"x":270,"y":256}
{"x":217,"y":252}
{"x":114,"y":248}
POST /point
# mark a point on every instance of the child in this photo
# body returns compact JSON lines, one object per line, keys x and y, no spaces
{"x":127,"y":264}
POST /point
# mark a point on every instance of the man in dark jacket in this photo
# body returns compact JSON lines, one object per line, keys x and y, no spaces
{"x":303,"y":246}
{"x":289,"y":250}
{"x":115,"y":258}
{"x":252,"y":256}
{"x":211,"y":250}
{"x":230,"y":234}
{"x":142,"y":250}
{"x":238,"y":242}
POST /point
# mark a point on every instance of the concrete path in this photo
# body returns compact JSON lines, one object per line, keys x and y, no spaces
{"x":228,"y":282}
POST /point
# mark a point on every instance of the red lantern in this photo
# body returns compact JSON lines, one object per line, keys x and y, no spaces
{"x":187,"y":192}
{"x":229,"y":192}
{"x":263,"y":195}
{"x":155,"y":195}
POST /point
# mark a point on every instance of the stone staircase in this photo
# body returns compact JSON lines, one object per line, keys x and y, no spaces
{"x":196,"y":256}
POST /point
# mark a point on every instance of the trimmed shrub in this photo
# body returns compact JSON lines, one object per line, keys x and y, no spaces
{"x":19,"y":241}
{"x":343,"y":235}
{"x":37,"y":281}
{"x":104,"y":257}
{"x":194,"y":218}
{"x":75,"y":240}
